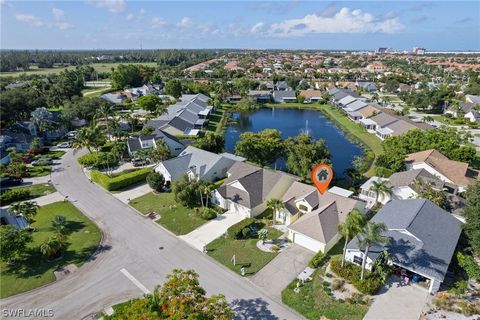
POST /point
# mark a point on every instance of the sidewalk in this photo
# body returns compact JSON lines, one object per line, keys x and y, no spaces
{"x":44,"y":200}
{"x":135,"y":192}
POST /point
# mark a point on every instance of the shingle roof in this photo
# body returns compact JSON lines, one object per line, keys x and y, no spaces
{"x":407,"y":178}
{"x":382,"y":119}
{"x":423,"y":236}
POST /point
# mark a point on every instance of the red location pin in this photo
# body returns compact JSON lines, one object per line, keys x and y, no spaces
{"x":322,"y":175}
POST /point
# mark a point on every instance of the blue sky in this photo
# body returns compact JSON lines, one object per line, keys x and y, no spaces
{"x":119,"y":24}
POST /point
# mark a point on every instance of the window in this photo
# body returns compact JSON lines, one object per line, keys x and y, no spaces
{"x":358,"y":260}
{"x":302,"y":207}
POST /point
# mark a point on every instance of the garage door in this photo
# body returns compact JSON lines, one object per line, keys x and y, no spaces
{"x":306,"y":242}
{"x":235,"y":207}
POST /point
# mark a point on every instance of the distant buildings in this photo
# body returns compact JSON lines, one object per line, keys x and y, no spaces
{"x":418,"y":50}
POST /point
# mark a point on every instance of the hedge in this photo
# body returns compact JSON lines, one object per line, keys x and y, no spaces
{"x":120,"y":181}
{"x":96,"y":159}
{"x":371,"y":282}
{"x":235,"y":231}
{"x":14,"y":195}
{"x":317,"y":260}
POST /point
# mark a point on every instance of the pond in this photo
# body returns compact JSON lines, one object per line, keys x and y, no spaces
{"x":291,"y":122}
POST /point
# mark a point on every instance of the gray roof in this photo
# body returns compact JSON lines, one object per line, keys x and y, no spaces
{"x":407,"y":178}
{"x":356,"y":105}
{"x":474,"y":99}
{"x":342,"y":93}
{"x":423,"y":236}
{"x":134,"y":144}
{"x":284,"y":94}
{"x":383,"y":119}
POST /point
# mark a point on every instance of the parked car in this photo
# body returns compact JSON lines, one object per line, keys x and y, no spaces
{"x":139,"y":162}
{"x":71,"y":134}
{"x":64,"y":145}
{"x":42,"y":162}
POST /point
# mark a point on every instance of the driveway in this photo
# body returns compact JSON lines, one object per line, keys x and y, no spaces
{"x":132,"y":193}
{"x":210,"y":231}
{"x":398,"y":303}
{"x":283,"y":269}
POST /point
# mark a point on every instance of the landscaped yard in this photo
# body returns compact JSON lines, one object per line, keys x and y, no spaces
{"x":173,"y":216}
{"x":38,"y":190}
{"x":33,"y":269}
{"x":39,"y":171}
{"x":314,"y":302}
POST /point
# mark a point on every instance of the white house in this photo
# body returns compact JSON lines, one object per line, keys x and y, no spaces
{"x":135,"y":143}
{"x":197,"y":163}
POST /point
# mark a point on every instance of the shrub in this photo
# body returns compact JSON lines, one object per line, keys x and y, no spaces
{"x":459,"y":287}
{"x":209,"y":214}
{"x":120,"y":181}
{"x":245,"y":232}
{"x":97,"y":160}
{"x":13,"y":195}
{"x":468,"y":264}
{"x":351,"y":272}
{"x":317,"y":260}
{"x":356,"y":298}
{"x":156,"y":181}
{"x":235,"y":231}
{"x":337,"y":284}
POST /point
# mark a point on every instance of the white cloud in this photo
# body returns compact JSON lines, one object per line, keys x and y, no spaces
{"x":139,"y":16}
{"x":114,"y":6}
{"x":258,"y":27}
{"x":158,"y":22}
{"x":343,"y":21}
{"x":58,"y":20}
{"x":185,"y":22}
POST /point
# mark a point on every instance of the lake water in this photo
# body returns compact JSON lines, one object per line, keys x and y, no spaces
{"x":291,"y":122}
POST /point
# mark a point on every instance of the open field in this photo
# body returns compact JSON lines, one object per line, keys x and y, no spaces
{"x":99,"y":67}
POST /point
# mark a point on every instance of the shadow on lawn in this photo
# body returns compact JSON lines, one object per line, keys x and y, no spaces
{"x":251,"y":309}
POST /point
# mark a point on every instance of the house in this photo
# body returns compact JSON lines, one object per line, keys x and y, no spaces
{"x":248,"y":188}
{"x":311,"y":95}
{"x":260,"y":96}
{"x":282,"y":86}
{"x":146,"y":89}
{"x":136,"y":142}
{"x":204,"y":165}
{"x":267,"y":85}
{"x":450,"y":171}
{"x":404,"y":186}
{"x":423,"y":238}
{"x":475,"y":100}
{"x":312,"y":219}
{"x":186,"y":117}
{"x":114,"y":97}
{"x":472,"y":116}
{"x":366,"y":85}
{"x":338,"y":94}
{"x":379,"y":120}
{"x":234,"y":99}
{"x":342,"y":103}
{"x":284,"y":96}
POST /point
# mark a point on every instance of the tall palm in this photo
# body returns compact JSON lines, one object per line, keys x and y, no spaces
{"x":275,"y":205}
{"x":27,"y":209}
{"x":381,"y":189}
{"x":161,"y":152}
{"x":350,"y":228}
{"x":370,"y":235}
{"x":59,"y":224}
{"x":105,"y":111}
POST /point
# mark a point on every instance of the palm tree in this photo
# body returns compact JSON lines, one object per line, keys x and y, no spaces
{"x":53,"y":245}
{"x":371,"y":234}
{"x":105,"y":112}
{"x":26,"y":209}
{"x":161,"y":152}
{"x":275,"y":205}
{"x":59,"y":224}
{"x":381,"y":188}
{"x":350,"y":228}
{"x":89,"y":137}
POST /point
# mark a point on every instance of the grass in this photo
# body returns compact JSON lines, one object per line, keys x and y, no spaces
{"x":353,"y":129}
{"x":57,"y":154}
{"x":173,"y":216}
{"x":33,"y":269}
{"x":38,"y":190}
{"x":39,"y":171}
{"x":95,"y":92}
{"x":218,"y":119}
{"x":99,"y":67}
{"x":313,"y":302}
{"x":246,"y":254}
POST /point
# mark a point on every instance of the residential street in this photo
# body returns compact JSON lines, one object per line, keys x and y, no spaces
{"x":136,"y":255}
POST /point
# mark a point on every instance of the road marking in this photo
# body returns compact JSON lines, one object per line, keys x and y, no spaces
{"x":135,"y":281}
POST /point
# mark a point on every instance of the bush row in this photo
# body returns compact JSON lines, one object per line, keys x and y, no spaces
{"x":351,"y":272}
{"x":13,"y":195}
{"x":120,"y":181}
{"x":97,"y":159}
{"x":235,"y":231}
{"x":317,"y":260}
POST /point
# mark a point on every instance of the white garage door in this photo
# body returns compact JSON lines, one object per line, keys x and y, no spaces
{"x":306,"y":242}
{"x":235,"y":207}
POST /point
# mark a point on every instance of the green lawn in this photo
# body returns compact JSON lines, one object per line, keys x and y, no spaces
{"x":313,"y":302}
{"x":246,"y":254}
{"x":39,"y":171}
{"x":218,"y":119}
{"x":38,"y":190}
{"x":33,"y":269}
{"x":173,"y":216}
{"x":57,"y":154}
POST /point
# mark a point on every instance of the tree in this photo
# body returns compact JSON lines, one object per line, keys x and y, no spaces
{"x":53,"y":246}
{"x":426,"y":191}
{"x":89,"y":137}
{"x":350,"y":228}
{"x":160,"y":153}
{"x":173,"y":87}
{"x":83,"y":107}
{"x":105,"y":112}
{"x":180,"y":297}
{"x":59,"y":224}
{"x":210,"y":142}
{"x":127,"y":76}
{"x":303,"y":153}
{"x":371,"y":234}
{"x":156,"y":181}
{"x":275,"y":205}
{"x":382,"y":188}
{"x":26,"y":209}
{"x":13,"y":242}
{"x":187,"y":191}
{"x":151,"y":103}
{"x":263,"y":147}
{"x":42,"y":118}
{"x":472,"y":215}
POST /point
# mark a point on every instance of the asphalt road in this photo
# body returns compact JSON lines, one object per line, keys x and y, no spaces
{"x":131,"y":260}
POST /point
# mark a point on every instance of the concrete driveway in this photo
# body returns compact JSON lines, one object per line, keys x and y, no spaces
{"x":398,"y":303}
{"x":210,"y":231}
{"x":283,"y":269}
